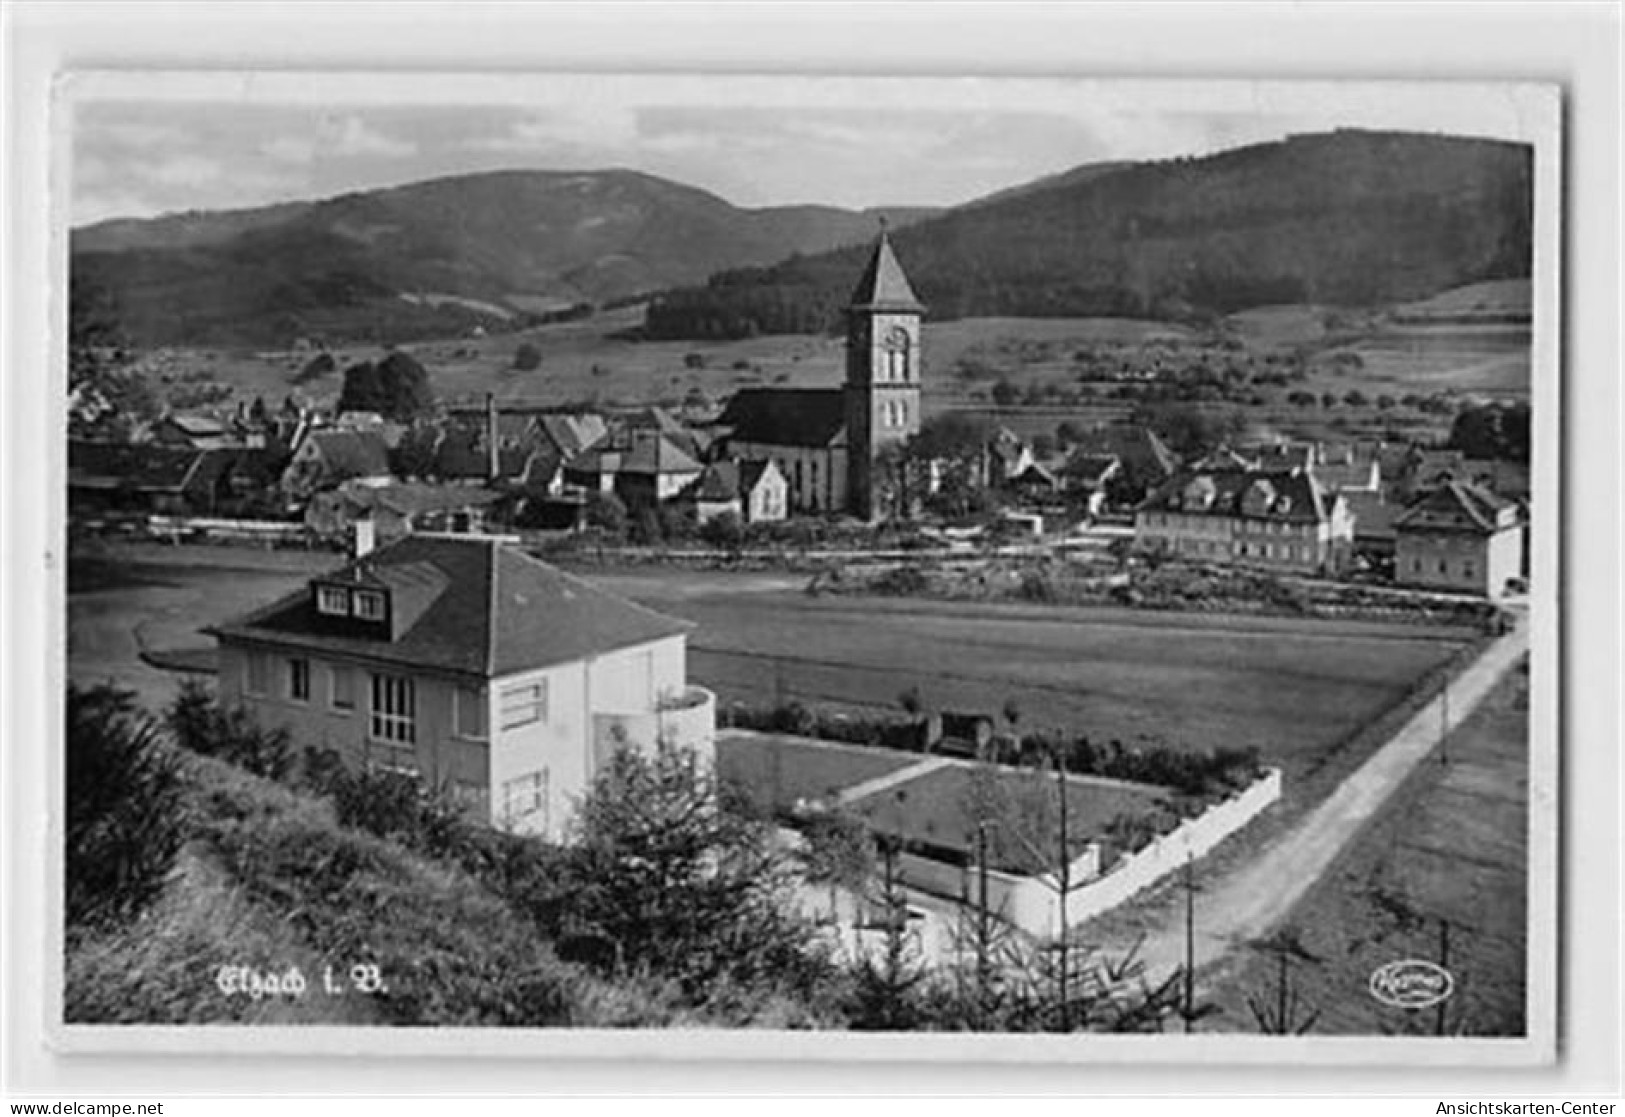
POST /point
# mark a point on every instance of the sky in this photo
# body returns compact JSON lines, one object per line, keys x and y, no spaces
{"x":145,"y":144}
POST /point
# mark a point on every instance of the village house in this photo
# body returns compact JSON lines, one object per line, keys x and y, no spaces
{"x":1144,"y":460}
{"x":828,"y":441}
{"x":466,"y":661}
{"x":756,"y":492}
{"x":1085,"y":478}
{"x":1282,"y":519}
{"x":194,"y":432}
{"x":326,"y":458}
{"x":1459,"y":536}
{"x":651,"y":471}
{"x":143,"y":477}
{"x":398,"y":509}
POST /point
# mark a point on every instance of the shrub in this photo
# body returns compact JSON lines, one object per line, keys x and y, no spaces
{"x":606,"y":512}
{"x":725,"y":532}
{"x":199,"y":724}
{"x":403,"y":808}
{"x":902,"y":581}
{"x":1036,"y":586}
{"x":527,"y":358}
{"x":125,"y":821}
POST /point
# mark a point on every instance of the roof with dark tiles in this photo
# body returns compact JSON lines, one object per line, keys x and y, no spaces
{"x":1456,"y":507}
{"x":812,"y":417}
{"x":1291,"y":496}
{"x":471,"y":605}
{"x":883,"y":285}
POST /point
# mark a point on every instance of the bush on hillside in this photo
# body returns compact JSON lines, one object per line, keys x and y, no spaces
{"x":527,"y":358}
{"x":124,"y":819}
{"x":201,"y":725}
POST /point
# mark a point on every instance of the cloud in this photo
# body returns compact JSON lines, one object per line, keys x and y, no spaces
{"x":182,"y":170}
{"x":131,"y":133}
{"x":353,"y":137}
{"x":289,"y":149}
{"x":596,"y":126}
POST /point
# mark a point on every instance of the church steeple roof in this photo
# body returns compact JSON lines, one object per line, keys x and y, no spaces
{"x":883,"y":285}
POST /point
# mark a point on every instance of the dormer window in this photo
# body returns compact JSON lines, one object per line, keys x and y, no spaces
{"x":369,"y":605}
{"x":333,"y":601}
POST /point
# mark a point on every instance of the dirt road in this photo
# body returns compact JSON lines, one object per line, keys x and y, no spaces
{"x":1257,"y":896}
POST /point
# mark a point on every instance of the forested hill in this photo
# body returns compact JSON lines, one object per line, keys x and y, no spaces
{"x":434,"y":258}
{"x":1349,"y":217}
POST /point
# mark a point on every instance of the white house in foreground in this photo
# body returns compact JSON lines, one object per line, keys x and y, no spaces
{"x":465,"y":660}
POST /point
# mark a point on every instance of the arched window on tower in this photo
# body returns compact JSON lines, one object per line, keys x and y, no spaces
{"x":897,"y":346}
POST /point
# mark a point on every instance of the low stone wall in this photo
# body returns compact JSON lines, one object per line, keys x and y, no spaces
{"x":1033,"y":903}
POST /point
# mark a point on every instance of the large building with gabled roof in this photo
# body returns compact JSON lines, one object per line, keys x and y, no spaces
{"x":464,"y":660}
{"x":1459,"y":536}
{"x":1280,"y":519}
{"x":828,"y":442}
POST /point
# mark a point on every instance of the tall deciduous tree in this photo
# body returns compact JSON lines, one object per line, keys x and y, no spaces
{"x":396,"y":387}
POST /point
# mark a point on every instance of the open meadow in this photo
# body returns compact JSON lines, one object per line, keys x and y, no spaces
{"x":1293,"y":689}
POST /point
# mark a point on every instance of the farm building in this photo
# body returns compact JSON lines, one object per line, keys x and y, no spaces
{"x":1459,"y":537}
{"x":464,"y":660}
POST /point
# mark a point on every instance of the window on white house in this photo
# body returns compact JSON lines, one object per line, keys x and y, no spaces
{"x":470,"y":712}
{"x":1444,"y":567}
{"x":369,"y":605}
{"x":394,"y":710}
{"x":525,"y":796}
{"x":523,"y":705}
{"x":1467,"y":568}
{"x":257,"y":673}
{"x":334,"y":601}
{"x":299,"y":680}
{"x":341,"y":687}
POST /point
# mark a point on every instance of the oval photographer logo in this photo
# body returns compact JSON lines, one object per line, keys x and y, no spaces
{"x":1411,"y":983}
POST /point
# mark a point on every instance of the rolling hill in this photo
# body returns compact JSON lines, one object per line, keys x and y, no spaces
{"x":1348,"y":218}
{"x":436,"y":257}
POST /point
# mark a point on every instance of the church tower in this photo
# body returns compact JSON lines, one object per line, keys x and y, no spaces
{"x":882,"y":372}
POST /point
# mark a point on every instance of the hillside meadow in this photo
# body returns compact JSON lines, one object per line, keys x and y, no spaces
{"x":1032,"y":374}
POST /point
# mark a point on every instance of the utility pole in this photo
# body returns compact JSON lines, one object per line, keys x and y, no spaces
{"x":1444,"y":722}
{"x":984,"y":948}
{"x":1064,"y":878}
{"x":1444,"y":964}
{"x":1190,"y":942}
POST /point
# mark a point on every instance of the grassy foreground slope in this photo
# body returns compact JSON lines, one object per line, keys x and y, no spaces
{"x":270,"y":881}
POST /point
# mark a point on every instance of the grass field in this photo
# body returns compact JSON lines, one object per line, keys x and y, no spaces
{"x":1294,"y":689}
{"x":778,"y":772}
{"x":1451,"y":846}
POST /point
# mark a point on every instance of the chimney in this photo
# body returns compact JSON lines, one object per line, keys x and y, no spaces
{"x":493,"y":463}
{"x":363,"y":535}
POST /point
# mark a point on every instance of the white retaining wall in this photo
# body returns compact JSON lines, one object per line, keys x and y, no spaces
{"x":1032,"y":903}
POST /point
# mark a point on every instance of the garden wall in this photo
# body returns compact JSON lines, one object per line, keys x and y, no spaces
{"x":1031,"y":903}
